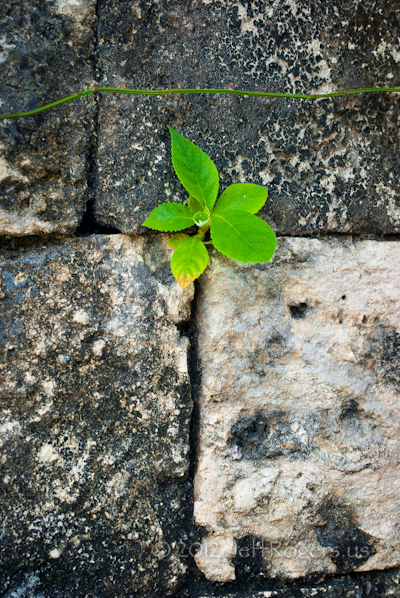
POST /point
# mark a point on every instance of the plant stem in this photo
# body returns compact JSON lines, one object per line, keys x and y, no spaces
{"x":229,"y":91}
{"x":75,"y":96}
{"x":202,"y":231}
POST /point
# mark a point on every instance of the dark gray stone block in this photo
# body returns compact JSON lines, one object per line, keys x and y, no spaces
{"x":333,"y":589}
{"x":331,"y":166}
{"x":46,"y":53}
{"x":94,"y":419}
{"x":377,"y":584}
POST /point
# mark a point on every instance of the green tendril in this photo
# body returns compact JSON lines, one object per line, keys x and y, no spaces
{"x":229,"y":91}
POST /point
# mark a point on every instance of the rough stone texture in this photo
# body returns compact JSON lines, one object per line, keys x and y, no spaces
{"x":299,"y":421}
{"x":376,"y":584}
{"x":333,"y":589}
{"x":330,"y":590}
{"x":95,"y":409}
{"x":46,"y":50}
{"x":330,"y":166}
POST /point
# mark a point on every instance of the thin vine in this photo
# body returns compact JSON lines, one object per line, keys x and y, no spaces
{"x":228,"y":91}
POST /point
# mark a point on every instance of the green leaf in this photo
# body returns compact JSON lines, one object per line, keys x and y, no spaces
{"x":195,"y":170}
{"x":177,"y":239}
{"x":194,"y":205}
{"x":242,"y":236}
{"x":170,"y":217}
{"x":201,"y":218}
{"x":243,"y":196}
{"x":189,"y":260}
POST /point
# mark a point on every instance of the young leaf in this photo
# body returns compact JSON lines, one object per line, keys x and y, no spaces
{"x":194,"y":205}
{"x":195,"y":170}
{"x":201,"y":218}
{"x":189,"y":260}
{"x":177,"y":239}
{"x":169,"y":217}
{"x":242,"y":196}
{"x":242,"y":236}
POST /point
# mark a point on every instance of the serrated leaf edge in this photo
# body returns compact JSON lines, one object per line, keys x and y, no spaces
{"x":202,"y":201}
{"x":184,"y":281}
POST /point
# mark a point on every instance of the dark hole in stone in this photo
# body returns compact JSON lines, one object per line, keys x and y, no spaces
{"x":364,"y":320}
{"x":298,"y":311}
{"x":349,"y":409}
{"x":259,"y":436}
{"x":390,"y":357}
{"x":351,"y":547}
{"x":248,"y":559}
{"x":250,"y":435}
{"x":184,"y":327}
{"x":343,"y":297}
{"x":88,"y":225}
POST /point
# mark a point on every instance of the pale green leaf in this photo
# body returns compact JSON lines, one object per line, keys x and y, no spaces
{"x":189,"y":260}
{"x":177,"y":239}
{"x":170,"y":217}
{"x":242,"y":236}
{"x":194,"y":205}
{"x":242,"y":196}
{"x":195,"y":170}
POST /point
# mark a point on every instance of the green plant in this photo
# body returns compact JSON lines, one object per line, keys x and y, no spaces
{"x":234,"y":229}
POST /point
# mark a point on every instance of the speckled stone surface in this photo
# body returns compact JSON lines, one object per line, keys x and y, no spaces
{"x":94,"y":415}
{"x":335,"y":589}
{"x":46,"y":53}
{"x":331,"y":166}
{"x":253,"y":584}
{"x":384,"y":585}
{"x":298,"y":450}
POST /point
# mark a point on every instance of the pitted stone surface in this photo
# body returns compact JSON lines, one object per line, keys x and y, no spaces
{"x":376,"y":584}
{"x":329,"y":590}
{"x":385,"y":585}
{"x":46,"y":49}
{"x":95,"y":408}
{"x":331,"y":166}
{"x":299,"y":410}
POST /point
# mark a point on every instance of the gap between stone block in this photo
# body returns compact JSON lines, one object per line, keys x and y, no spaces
{"x":88,"y":224}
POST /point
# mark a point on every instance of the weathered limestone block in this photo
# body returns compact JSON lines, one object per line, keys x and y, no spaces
{"x":95,"y":408}
{"x":46,"y":50}
{"x":299,"y":410}
{"x":330,"y":166}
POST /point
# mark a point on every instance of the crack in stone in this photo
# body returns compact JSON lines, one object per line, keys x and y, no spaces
{"x":88,"y":224}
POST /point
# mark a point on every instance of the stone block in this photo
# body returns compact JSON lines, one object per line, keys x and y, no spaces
{"x":299,"y":420}
{"x":94,"y":418}
{"x":46,"y":54}
{"x":334,"y":589}
{"x":375,"y":584}
{"x":331,"y":166}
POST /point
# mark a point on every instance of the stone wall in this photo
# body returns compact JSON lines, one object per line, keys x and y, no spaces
{"x":239,"y":438}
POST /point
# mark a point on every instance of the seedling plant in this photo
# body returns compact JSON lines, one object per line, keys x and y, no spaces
{"x":234,"y":229}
